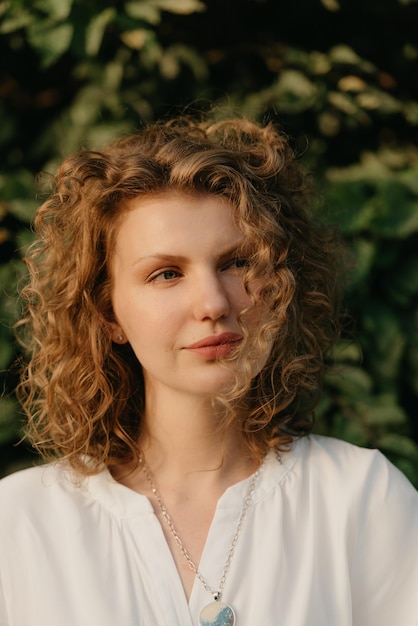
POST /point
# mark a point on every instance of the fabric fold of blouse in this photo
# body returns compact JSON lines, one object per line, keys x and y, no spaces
{"x":330,"y":539}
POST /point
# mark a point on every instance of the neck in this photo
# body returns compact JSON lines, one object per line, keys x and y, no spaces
{"x":182,"y":442}
{"x":189,"y":439}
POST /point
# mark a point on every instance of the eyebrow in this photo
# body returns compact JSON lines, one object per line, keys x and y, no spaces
{"x":237,"y":248}
{"x":159,"y":256}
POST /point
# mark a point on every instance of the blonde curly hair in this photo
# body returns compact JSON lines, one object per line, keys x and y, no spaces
{"x":81,"y":392}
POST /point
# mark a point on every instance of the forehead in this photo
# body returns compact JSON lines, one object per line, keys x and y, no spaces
{"x":176,"y":218}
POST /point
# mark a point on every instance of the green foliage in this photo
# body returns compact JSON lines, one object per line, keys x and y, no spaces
{"x":78,"y":73}
{"x":375,"y":203}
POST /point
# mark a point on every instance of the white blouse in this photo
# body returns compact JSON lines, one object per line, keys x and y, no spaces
{"x":331,"y":539}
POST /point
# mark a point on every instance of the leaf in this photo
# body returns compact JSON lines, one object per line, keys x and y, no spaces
{"x":403,"y":282}
{"x":144,"y":11}
{"x":85,"y":108}
{"x":412,"y":361}
{"x":96,"y":29}
{"x":383,"y":416}
{"x":296,"y":83}
{"x":15,"y":20}
{"x":411,"y":112}
{"x":19,"y":185}
{"x":50,"y":39}
{"x":409,"y":177}
{"x":383,"y":340}
{"x":373,"y":196}
{"x":23,"y":209}
{"x":7,"y":350}
{"x":9,"y":126}
{"x":9,"y":424}
{"x":329,"y":123}
{"x":343,"y":102}
{"x":351,"y":82}
{"x":331,"y":5}
{"x":135,"y":39}
{"x":375,"y":99}
{"x":23,"y":239}
{"x":19,"y":194}
{"x":396,"y":215}
{"x":344,"y":54}
{"x":103,"y":134}
{"x":349,"y":381}
{"x":346,"y":351}
{"x":364,"y":255}
{"x":176,"y":55}
{"x":349,"y":429}
{"x":182,"y":7}
{"x":350,"y":209}
{"x":394,"y":443}
{"x":56,"y":9}
{"x":11,"y":274}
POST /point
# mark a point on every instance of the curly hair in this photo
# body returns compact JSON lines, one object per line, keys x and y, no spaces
{"x":82,"y":393}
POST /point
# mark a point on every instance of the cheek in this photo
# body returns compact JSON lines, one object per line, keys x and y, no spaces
{"x":239,"y":297}
{"x":253,"y":320}
{"x":260,"y":343}
{"x":146,"y":327}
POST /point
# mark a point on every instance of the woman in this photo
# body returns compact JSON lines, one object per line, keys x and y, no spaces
{"x":181,"y":304}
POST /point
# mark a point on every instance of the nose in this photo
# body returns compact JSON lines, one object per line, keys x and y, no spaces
{"x":210,"y":297}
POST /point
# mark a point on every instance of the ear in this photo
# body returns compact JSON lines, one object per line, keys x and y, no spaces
{"x":118,"y":336}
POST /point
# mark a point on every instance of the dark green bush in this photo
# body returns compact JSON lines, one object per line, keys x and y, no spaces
{"x":342,"y":79}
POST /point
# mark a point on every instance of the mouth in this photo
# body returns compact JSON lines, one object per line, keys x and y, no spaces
{"x":215,"y":346}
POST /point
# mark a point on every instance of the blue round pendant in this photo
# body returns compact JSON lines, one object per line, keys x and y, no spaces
{"x":217,"y":614}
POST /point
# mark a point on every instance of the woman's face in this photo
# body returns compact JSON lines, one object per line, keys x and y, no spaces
{"x":177,"y":270}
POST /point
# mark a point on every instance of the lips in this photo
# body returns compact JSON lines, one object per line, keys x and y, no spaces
{"x":215,"y":346}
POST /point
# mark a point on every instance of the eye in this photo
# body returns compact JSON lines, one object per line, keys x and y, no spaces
{"x":165,"y":276}
{"x":237,"y":263}
{"x":241,"y":263}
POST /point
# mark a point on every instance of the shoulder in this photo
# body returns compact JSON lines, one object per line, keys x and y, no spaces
{"x":363,"y":473}
{"x":328,"y":449}
{"x":27,"y":492}
{"x":24,"y":481}
{"x":319,"y":450}
{"x":375,"y":511}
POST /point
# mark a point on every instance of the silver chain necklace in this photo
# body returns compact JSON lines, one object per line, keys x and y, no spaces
{"x":216,"y":613}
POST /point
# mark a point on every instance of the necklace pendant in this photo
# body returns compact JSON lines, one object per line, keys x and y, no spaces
{"x":217,"y":614}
